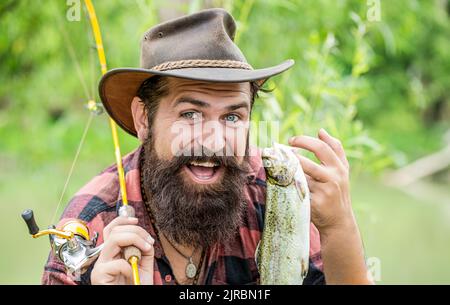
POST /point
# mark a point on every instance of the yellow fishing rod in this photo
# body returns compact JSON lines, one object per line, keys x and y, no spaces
{"x":71,"y":242}
{"x":131,"y":254}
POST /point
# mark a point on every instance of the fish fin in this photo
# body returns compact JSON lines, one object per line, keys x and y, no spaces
{"x":257,"y":254}
{"x":304,"y":269}
{"x":300,"y":189}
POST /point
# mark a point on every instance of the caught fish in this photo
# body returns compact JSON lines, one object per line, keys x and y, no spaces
{"x":282,"y":254}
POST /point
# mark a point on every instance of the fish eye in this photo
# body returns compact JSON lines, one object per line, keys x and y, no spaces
{"x":267,"y":163}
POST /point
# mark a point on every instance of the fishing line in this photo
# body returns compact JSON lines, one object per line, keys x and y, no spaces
{"x":80,"y":145}
{"x":71,"y":51}
{"x":89,"y":97}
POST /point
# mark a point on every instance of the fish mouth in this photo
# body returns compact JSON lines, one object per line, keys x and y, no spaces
{"x":280,"y":163}
{"x":204,"y":172}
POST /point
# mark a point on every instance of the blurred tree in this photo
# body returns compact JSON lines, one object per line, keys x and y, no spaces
{"x":380,"y":86}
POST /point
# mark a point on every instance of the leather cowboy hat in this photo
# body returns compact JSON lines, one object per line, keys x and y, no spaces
{"x":199,"y":46}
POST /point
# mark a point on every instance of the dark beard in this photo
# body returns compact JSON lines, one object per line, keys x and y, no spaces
{"x":192,"y":214}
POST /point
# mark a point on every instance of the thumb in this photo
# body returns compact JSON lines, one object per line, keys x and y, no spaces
{"x":146,"y":266}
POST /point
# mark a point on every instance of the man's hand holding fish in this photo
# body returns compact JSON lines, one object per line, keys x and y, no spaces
{"x":331,"y":209}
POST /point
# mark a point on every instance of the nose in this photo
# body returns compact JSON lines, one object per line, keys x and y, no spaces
{"x":212,"y":139}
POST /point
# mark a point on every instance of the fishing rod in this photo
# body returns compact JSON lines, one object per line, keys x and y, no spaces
{"x":71,"y":242}
{"x":131,"y":253}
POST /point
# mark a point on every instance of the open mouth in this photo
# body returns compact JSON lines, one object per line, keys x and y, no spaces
{"x":204,"y":172}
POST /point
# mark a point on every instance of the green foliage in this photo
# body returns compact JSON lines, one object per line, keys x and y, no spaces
{"x":371,"y":84}
{"x":325,"y":88}
{"x":365,"y":82}
{"x":381,"y":87}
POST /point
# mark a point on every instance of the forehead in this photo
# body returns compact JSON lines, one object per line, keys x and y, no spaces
{"x":178,"y":87}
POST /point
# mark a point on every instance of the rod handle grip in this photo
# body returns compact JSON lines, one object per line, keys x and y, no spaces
{"x":130,"y":251}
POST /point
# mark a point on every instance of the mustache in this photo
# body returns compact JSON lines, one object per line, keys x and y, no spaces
{"x":231,"y":163}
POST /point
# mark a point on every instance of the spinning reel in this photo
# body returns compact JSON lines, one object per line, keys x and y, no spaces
{"x":71,"y":243}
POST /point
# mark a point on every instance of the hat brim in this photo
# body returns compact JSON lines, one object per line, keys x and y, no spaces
{"x":118,"y":87}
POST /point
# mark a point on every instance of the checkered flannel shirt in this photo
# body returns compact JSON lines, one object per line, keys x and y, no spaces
{"x":97,"y":204}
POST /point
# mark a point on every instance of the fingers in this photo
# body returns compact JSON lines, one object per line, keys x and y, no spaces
{"x":328,"y":182}
{"x":321,"y":150}
{"x":147,"y":257}
{"x":313,"y":184}
{"x":133,"y":229}
{"x":119,"y":234}
{"x":313,"y":169}
{"x":335,"y":145}
{"x":107,"y":272}
{"x":118,"y":221}
{"x":119,"y":240}
{"x":146,"y":264}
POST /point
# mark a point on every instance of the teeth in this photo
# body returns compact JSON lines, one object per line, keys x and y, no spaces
{"x":204,"y":164}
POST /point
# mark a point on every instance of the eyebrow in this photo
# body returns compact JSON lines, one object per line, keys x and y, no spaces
{"x":206,"y":105}
{"x":237,"y":106}
{"x":191,"y":101}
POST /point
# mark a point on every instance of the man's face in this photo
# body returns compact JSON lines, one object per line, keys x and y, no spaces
{"x":195,"y":164}
{"x":199,"y":118}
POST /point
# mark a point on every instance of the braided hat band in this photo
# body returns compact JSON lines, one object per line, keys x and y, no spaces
{"x":202,"y":63}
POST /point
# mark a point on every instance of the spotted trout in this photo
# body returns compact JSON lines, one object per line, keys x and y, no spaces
{"x":282,"y":255}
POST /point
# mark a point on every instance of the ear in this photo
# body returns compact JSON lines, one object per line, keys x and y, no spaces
{"x":261,"y":82}
{"x":139,"y":118}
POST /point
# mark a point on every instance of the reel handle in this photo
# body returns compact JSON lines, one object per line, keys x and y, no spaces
{"x":28,"y":216}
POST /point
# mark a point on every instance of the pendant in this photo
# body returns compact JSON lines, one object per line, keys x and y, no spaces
{"x":191,"y":270}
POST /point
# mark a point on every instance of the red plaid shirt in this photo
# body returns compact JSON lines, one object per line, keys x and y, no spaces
{"x":97,"y":204}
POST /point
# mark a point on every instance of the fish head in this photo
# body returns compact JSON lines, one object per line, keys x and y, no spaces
{"x":279,"y":164}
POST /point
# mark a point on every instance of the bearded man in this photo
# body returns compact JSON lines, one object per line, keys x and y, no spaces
{"x":197,"y":186}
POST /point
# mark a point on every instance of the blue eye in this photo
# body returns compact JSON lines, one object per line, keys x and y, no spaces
{"x":232,"y":118}
{"x":190,"y":115}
